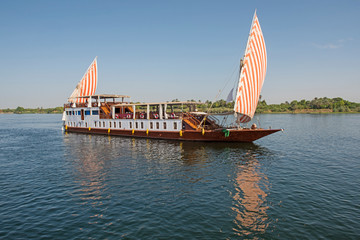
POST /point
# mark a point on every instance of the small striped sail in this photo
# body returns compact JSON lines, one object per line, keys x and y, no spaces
{"x":252,"y":74}
{"x":87,"y":85}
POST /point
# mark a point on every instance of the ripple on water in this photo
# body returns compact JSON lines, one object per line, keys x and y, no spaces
{"x":302,"y":184}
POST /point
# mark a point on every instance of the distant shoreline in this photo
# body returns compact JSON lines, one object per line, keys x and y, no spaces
{"x":316,"y":106}
{"x":307,"y":111}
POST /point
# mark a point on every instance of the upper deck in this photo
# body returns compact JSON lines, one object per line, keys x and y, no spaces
{"x":109,"y":108}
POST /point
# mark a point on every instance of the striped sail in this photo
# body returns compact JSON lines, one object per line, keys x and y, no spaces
{"x":87,"y":85}
{"x":252,"y":74}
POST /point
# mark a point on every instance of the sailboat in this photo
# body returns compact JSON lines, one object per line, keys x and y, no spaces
{"x":87,"y":112}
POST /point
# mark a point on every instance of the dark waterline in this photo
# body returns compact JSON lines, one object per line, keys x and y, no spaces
{"x":300,"y":184}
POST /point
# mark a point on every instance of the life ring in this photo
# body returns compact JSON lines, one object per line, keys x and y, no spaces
{"x":142,"y":116}
{"x":172,"y":115}
{"x":128,"y":116}
{"x":156,"y":116}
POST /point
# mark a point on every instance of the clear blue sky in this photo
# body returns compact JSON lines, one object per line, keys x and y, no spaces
{"x":162,"y":50}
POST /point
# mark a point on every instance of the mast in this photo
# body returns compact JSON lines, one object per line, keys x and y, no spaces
{"x":237,"y":87}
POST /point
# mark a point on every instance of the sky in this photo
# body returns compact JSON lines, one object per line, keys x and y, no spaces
{"x":186,"y":49}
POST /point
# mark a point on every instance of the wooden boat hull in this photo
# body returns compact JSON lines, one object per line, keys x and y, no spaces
{"x":235,"y":135}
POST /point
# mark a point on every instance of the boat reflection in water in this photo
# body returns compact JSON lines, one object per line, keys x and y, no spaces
{"x":250,"y":197}
{"x":89,"y":171}
{"x":205,"y":184}
{"x":250,"y":185}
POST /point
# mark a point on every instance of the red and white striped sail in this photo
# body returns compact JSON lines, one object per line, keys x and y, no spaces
{"x":252,"y":74}
{"x":87,"y":85}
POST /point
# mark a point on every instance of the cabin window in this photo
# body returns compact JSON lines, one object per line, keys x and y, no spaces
{"x":74,"y":124}
{"x":151,"y":125}
{"x":67,"y":112}
{"x":86,"y":124}
{"x":130,"y":124}
{"x":87,"y":112}
{"x":175,"y":125}
{"x":164,"y":125}
{"x":79,"y":113}
{"x":95,"y":112}
{"x":157,"y":125}
{"x":136,"y":125}
{"x":119,"y":124}
{"x":142,"y":125}
{"x":114,"y":124}
{"x":110,"y":124}
{"x":95,"y":123}
{"x":103,"y":124}
{"x":73,"y":113}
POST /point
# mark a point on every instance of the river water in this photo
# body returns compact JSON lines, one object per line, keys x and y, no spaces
{"x":303,"y":183}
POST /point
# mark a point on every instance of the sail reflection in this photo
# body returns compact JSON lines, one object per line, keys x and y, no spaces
{"x":250,"y":198}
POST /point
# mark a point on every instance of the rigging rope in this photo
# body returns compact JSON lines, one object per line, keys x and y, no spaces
{"x":221,"y":90}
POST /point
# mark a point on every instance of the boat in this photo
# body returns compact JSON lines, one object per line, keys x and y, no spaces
{"x":115,"y":115}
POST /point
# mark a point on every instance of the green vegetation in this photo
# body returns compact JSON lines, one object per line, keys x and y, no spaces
{"x":21,"y":110}
{"x":317,"y":105}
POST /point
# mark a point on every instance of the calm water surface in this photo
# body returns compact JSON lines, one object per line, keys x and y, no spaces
{"x":300,"y":184}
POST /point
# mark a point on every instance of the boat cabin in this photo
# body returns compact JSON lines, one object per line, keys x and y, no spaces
{"x":106,"y":111}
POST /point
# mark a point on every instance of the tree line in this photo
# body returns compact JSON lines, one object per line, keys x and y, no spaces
{"x":320,"y":105}
{"x":317,"y":105}
{"x":335,"y":105}
{"x":21,"y":110}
